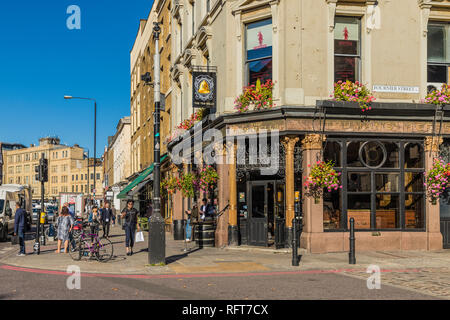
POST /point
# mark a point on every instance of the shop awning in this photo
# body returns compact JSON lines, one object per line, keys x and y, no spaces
{"x":140,"y":179}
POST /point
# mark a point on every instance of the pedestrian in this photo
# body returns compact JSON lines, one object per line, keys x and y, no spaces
{"x":71,"y":212}
{"x":114,"y":213}
{"x":19,"y":228}
{"x":203,"y":209}
{"x":192,"y":217}
{"x":94,"y":218}
{"x":65,"y":224}
{"x":106,"y":217}
{"x":130,"y":223}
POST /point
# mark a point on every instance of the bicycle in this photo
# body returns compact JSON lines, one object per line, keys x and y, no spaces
{"x":101,"y":248}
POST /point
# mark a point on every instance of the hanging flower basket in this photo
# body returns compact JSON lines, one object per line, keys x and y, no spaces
{"x":322,"y":177}
{"x":187,"y":185}
{"x":353,"y":92}
{"x":207,"y":178}
{"x":170,"y":185}
{"x":186,"y":125}
{"x":437,"y":180}
{"x":438,"y":97}
{"x":255,"y":97}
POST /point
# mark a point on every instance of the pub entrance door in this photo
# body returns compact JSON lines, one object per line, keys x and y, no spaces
{"x":265,"y":204}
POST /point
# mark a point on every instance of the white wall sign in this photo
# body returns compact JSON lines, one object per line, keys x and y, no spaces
{"x":395,"y":89}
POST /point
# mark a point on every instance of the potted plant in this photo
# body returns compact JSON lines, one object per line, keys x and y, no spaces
{"x":436,"y":180}
{"x":353,"y":92}
{"x":256,"y":97}
{"x":322,"y":177}
{"x":187,"y":185}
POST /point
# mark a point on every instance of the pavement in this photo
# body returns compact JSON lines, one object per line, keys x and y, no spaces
{"x":418,"y":271}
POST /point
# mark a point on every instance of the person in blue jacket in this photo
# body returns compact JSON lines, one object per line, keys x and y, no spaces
{"x":19,"y":228}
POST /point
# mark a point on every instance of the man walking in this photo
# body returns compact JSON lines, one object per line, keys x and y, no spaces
{"x":19,"y":228}
{"x":129,"y":218}
{"x":106,"y":217}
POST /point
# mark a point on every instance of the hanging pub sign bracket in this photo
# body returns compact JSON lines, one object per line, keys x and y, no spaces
{"x":204,"y":86}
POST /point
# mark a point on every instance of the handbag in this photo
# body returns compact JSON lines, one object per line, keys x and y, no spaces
{"x":139,"y":237}
{"x":15,"y":240}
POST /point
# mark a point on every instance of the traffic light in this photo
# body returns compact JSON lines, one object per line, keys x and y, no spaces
{"x":44,"y":166}
{"x":37,"y":169}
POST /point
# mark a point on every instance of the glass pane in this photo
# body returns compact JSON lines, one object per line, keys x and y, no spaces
{"x":373,"y":154}
{"x":413,"y":155}
{"x":359,"y":209}
{"x":346,"y":36}
{"x":332,"y":209}
{"x":387,"y":211}
{"x":260,"y":69}
{"x":358,"y":182}
{"x":346,"y":68}
{"x":437,"y":73}
{"x":258,"y":201}
{"x":279,"y":197}
{"x":333,"y":152}
{"x":414,"y":182}
{"x":414,"y":214}
{"x":392,"y":158}
{"x":387,"y":182}
{"x":436,"y":43}
{"x":352,"y":154}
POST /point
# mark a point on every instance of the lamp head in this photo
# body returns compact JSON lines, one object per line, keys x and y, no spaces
{"x":67,"y":97}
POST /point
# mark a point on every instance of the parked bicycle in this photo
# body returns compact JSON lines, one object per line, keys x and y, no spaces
{"x":100,"y":248}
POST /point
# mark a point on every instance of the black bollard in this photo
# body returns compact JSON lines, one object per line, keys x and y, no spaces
{"x":351,"y":254}
{"x":295,"y":259}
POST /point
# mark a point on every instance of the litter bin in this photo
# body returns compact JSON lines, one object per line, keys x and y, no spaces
{"x":280,"y":234}
{"x":205,"y":233}
{"x":179,"y":229}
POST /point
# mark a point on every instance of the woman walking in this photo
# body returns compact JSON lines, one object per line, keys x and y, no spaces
{"x":130,"y":223}
{"x":65,"y":223}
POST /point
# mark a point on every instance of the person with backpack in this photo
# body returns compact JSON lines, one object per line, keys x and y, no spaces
{"x":93,"y":219}
{"x":20,"y":222}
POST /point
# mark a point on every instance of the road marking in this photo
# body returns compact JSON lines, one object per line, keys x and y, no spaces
{"x":208,"y":275}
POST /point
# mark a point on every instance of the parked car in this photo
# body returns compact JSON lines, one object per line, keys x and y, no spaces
{"x":34,"y":215}
{"x":51,"y":216}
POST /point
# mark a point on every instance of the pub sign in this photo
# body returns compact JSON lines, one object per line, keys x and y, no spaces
{"x":204,"y":89}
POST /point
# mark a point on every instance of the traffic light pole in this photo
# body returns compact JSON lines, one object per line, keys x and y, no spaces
{"x":157,"y":235}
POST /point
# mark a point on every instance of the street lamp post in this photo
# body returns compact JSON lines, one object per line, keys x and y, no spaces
{"x":95,"y":138}
{"x":157,"y":236}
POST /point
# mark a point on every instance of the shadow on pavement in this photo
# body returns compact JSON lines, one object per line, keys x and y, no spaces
{"x":177,"y":257}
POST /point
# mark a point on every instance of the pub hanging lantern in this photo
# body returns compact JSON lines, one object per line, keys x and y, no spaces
{"x":204,"y":89}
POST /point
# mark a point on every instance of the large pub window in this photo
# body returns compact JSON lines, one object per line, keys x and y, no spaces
{"x":259,"y":51}
{"x":438,"y":54}
{"x":347,"y":49}
{"x":382,"y":184}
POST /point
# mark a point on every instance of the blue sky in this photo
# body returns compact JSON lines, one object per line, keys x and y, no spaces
{"x":41,"y":60}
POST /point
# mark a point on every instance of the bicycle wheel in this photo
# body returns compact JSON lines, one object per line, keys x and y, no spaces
{"x":104,"y":250}
{"x":78,"y":251}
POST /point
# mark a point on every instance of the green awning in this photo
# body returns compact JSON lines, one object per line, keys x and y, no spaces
{"x":144,"y":174}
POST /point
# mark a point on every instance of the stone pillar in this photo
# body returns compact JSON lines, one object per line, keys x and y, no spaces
{"x":312,"y":212}
{"x":233,"y":232}
{"x":289,"y":146}
{"x":223,"y":199}
{"x":432,"y":212}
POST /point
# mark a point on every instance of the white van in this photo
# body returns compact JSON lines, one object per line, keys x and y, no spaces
{"x":10,"y":194}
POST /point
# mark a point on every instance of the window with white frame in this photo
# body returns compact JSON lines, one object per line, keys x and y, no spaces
{"x":258,"y":51}
{"x":347,"y":49}
{"x":438,"y":54}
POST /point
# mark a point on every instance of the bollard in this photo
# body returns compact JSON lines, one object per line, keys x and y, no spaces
{"x":351,"y":254}
{"x":295,"y":259}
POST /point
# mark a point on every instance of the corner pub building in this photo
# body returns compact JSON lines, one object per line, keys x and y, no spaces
{"x":398,"y":49}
